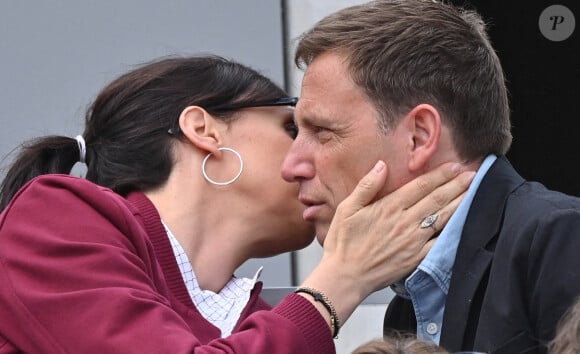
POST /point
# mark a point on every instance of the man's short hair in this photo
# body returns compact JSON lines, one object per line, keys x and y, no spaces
{"x":406,"y":52}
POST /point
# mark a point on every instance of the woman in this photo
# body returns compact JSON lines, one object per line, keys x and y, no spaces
{"x":183,"y":186}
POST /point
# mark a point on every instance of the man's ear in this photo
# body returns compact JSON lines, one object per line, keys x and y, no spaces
{"x":424,"y":123}
{"x":200,"y":128}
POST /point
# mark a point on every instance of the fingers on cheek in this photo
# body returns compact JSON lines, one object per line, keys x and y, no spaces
{"x":439,"y":200}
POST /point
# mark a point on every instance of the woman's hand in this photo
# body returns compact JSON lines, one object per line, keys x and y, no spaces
{"x":371,"y":244}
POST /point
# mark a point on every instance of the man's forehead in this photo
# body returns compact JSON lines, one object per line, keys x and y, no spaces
{"x":324,"y":70}
{"x":308,"y":108}
{"x":324,"y":96}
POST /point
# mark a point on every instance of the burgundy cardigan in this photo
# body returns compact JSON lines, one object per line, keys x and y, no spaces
{"x":84,"y":270}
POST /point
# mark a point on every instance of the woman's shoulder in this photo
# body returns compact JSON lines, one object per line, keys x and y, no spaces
{"x":62,"y":181}
{"x":58,"y":207}
{"x":58,"y":192}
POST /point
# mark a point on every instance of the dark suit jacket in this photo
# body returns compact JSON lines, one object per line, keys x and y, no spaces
{"x":517,"y":268}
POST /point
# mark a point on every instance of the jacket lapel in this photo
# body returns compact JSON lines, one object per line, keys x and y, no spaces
{"x":475,"y":252}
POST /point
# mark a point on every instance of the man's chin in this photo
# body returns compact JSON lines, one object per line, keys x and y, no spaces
{"x":321,"y":236}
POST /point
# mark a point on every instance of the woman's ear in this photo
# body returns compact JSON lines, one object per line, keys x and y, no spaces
{"x":425,"y":124}
{"x":200,"y":128}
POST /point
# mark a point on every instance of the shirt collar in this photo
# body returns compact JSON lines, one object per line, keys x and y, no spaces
{"x":222,"y":309}
{"x":439,"y":261}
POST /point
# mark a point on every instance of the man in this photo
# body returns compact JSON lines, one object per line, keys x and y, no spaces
{"x":417,"y":83}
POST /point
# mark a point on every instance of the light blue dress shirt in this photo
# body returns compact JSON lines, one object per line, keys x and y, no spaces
{"x":428,"y":285}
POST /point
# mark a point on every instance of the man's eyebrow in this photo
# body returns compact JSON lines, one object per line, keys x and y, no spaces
{"x":313,"y":118}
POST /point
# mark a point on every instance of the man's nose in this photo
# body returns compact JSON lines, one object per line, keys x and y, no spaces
{"x":298,"y":164}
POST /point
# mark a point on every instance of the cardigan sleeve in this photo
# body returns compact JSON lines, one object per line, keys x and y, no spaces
{"x":79,"y":275}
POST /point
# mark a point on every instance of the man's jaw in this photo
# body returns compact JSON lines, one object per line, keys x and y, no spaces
{"x":321,"y":236}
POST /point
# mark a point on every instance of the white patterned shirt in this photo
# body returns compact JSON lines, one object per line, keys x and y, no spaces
{"x":224,"y":309}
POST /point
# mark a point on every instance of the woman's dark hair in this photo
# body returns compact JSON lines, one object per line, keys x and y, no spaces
{"x":128,"y":146}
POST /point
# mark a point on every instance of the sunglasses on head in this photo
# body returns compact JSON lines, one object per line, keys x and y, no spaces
{"x":282,"y":101}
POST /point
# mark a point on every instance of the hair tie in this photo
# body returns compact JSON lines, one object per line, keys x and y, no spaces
{"x":82,"y":148}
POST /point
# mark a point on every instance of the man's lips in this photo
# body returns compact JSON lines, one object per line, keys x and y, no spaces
{"x":312,"y":207}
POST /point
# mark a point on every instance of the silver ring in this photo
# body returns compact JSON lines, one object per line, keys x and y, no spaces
{"x":429,"y":221}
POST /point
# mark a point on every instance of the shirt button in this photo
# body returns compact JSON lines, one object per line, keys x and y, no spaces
{"x":432,"y":328}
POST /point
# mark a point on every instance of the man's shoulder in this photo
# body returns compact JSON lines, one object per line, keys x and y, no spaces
{"x":520,"y":191}
{"x":535,"y":199}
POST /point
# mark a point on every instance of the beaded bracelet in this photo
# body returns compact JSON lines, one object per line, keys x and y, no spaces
{"x":323,"y":299}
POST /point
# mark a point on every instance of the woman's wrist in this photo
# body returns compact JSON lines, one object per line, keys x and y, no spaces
{"x":319,"y":297}
{"x":342,"y":290}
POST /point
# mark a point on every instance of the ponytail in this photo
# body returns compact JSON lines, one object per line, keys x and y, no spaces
{"x":50,"y":154}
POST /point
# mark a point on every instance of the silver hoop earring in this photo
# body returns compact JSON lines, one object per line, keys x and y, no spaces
{"x":226,"y":182}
